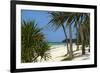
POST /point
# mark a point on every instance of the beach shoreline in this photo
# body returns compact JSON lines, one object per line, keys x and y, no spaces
{"x":58,"y":52}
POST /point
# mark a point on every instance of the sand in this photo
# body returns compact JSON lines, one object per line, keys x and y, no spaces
{"x":57,"y":53}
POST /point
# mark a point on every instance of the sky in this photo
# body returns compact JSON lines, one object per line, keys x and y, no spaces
{"x":42,"y":18}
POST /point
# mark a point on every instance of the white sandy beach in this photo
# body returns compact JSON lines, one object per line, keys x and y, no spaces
{"x":57,"y":53}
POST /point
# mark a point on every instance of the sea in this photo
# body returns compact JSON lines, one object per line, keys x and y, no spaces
{"x":60,"y":44}
{"x":56,"y":43}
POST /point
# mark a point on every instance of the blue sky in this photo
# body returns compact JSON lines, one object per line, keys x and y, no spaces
{"x":42,"y":18}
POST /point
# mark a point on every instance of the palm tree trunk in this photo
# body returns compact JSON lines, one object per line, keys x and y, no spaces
{"x":77,"y":38}
{"x":83,"y":41}
{"x":71,"y":45}
{"x":66,"y":39}
{"x":89,"y":48}
{"x":83,"y":47}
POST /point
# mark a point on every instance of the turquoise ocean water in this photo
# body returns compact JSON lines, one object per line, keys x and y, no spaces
{"x":56,"y":43}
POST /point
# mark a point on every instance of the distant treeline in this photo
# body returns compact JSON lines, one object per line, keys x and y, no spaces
{"x":68,"y":40}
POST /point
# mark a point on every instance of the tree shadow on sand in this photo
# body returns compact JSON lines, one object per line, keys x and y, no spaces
{"x":77,"y":55}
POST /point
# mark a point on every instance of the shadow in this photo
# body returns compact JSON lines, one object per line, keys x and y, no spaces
{"x":67,"y":59}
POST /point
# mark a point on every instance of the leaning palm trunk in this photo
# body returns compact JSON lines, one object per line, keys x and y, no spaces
{"x":82,"y":40}
{"x":77,"y":39}
{"x":66,"y":39}
{"x":83,"y":47}
{"x":71,"y":45}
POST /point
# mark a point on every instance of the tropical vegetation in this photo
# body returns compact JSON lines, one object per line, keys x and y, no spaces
{"x":81,"y":22}
{"x":34,"y":46}
{"x":33,"y":43}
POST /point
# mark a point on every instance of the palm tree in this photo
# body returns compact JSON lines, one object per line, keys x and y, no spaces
{"x":58,"y":19}
{"x":83,"y":29}
{"x":82,"y":26}
{"x":70,"y":21}
{"x":81,"y":22}
{"x":33,"y":43}
{"x":77,"y":25}
{"x":85,"y":32}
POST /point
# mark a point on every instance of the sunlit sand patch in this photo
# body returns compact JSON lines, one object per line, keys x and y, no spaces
{"x":58,"y":53}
